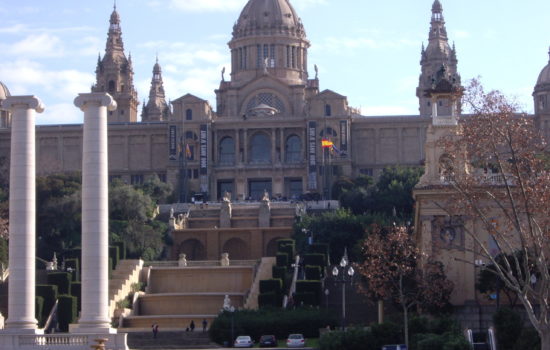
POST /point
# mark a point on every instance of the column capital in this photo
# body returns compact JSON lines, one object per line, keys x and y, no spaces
{"x":23,"y":102}
{"x":99,"y":99}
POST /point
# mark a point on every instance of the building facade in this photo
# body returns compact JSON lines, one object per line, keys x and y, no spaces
{"x":270,"y":119}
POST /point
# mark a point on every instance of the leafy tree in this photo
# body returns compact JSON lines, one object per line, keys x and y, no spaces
{"x":390,"y":269}
{"x":519,"y":198}
{"x":158,"y":191}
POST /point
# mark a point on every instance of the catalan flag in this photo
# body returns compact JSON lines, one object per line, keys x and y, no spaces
{"x":188,"y":153}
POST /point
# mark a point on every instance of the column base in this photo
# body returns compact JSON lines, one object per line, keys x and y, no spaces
{"x":13,"y":329}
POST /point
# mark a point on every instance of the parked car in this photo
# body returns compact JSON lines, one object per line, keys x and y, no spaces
{"x":395,"y":347}
{"x":268,"y":341}
{"x":295,"y":341}
{"x":243,"y":341}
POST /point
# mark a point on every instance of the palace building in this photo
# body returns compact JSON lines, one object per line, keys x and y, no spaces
{"x":270,"y":118}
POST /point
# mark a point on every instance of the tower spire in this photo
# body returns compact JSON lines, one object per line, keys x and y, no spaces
{"x":156,"y":108}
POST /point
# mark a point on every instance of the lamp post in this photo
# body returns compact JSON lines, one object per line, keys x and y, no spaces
{"x":231,"y":309}
{"x":343,"y":273}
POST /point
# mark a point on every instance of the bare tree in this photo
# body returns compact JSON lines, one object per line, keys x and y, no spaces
{"x":498,"y":171}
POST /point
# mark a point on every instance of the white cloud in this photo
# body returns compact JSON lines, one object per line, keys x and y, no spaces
{"x":41,"y":45}
{"x":15,"y":28}
{"x":62,"y":113}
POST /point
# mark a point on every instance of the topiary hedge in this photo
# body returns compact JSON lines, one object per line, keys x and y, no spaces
{"x":270,"y":300}
{"x":114,"y":256}
{"x":73,"y":264}
{"x":49,"y":293}
{"x":272,"y":285}
{"x":313,"y":272}
{"x":76,"y":291}
{"x":121,"y":249}
{"x":39,"y":310}
{"x":279,"y":272}
{"x":62,"y":280}
{"x":279,"y":322}
{"x":282,"y":259}
{"x":305,"y":288}
{"x":315,"y":259}
{"x":66,"y":312}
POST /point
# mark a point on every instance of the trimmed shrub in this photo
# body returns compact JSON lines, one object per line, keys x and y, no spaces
{"x":76,"y":291}
{"x":320,"y":248}
{"x":279,"y":272}
{"x":66,"y":312}
{"x":508,"y":326}
{"x":289,"y":250}
{"x":121,"y":249}
{"x":315,"y":259}
{"x":282,"y":259}
{"x":284,"y":242}
{"x":270,"y":299}
{"x":386,"y":333}
{"x":351,"y":339}
{"x":313,"y":273}
{"x":39,"y":310}
{"x":49,"y":293}
{"x":114,"y":256}
{"x":62,"y":280}
{"x":310,"y":287}
{"x":306,"y":299}
{"x":430,"y":341}
{"x":273,"y":285}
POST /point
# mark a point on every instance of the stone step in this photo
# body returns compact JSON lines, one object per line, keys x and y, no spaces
{"x":185,"y":303}
{"x":169,"y":340}
{"x":165,"y":322}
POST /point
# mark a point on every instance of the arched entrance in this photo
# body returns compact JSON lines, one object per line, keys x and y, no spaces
{"x":271,"y":249}
{"x":237,"y":249}
{"x":193,"y":248}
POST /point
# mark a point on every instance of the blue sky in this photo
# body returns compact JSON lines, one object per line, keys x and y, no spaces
{"x":366,"y":50}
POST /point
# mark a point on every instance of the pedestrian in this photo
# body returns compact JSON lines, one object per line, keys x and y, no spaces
{"x":204,"y":325}
{"x":155,"y":328}
{"x":192,"y":325}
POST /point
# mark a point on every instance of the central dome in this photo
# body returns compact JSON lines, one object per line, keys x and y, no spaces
{"x":544,"y":76}
{"x":268,"y":17}
{"x":4,"y":92}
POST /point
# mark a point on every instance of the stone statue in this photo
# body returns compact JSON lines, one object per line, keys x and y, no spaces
{"x":171,"y":212}
{"x":265,"y":198}
{"x":223,"y":74}
{"x":266,"y":64}
{"x":182,"y":262}
{"x":226,"y":197}
{"x":226,"y":303}
{"x":316,"y":71}
{"x":224,"y":261}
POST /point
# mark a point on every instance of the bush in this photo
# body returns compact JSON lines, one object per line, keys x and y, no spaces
{"x":121,"y":249}
{"x":320,"y":248}
{"x":76,"y":291}
{"x":282,"y":259}
{"x":289,"y":251}
{"x":66,"y":312}
{"x":311,"y":287}
{"x":278,"y":322}
{"x":352,"y":339}
{"x":39,"y":310}
{"x":73,"y":264}
{"x":508,"y":325}
{"x":529,"y":339}
{"x":274,"y":285}
{"x":386,"y":333}
{"x":270,"y":299}
{"x":114,"y":256}
{"x":315,"y":259}
{"x":279,"y":272}
{"x":430,"y":341}
{"x":49,"y":294}
{"x":285,"y":242}
{"x":306,"y":299}
{"x":62,"y":280}
{"x":313,"y":272}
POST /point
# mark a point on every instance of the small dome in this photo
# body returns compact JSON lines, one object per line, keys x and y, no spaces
{"x":544,"y":76}
{"x":436,"y":7}
{"x":4,"y":92}
{"x":268,"y":17}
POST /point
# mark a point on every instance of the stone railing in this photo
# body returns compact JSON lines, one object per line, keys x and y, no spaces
{"x":483,"y":179}
{"x":54,"y":341}
{"x":200,"y":263}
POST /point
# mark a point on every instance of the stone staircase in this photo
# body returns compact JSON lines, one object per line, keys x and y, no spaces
{"x":178,"y":295}
{"x":169,"y":340}
{"x":121,"y":280}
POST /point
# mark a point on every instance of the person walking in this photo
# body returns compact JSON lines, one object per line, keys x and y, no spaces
{"x":204,"y":324}
{"x":192,"y":325}
{"x":155,"y":328}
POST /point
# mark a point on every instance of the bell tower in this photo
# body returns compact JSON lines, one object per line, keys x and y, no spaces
{"x":115,"y":75}
{"x":437,"y":54}
{"x":156,"y":108}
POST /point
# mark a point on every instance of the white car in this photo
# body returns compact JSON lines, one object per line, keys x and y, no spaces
{"x":243,"y":341}
{"x":295,"y":341}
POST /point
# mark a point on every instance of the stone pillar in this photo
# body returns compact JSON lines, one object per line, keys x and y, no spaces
{"x":95,"y":213}
{"x":22,"y":245}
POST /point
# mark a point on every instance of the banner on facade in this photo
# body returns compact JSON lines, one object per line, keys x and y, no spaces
{"x":312,"y":156}
{"x":203,"y":167}
{"x":343,"y":135}
{"x":173,"y":149}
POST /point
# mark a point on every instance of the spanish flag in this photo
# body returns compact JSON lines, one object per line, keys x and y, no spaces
{"x":326,"y":143}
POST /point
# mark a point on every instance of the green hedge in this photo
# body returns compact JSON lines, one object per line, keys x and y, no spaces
{"x":352,"y":339}
{"x":315,"y":259}
{"x":278,"y":322}
{"x":66,"y":312}
{"x":313,"y":272}
{"x":74,"y":264}
{"x":309,"y":287}
{"x":76,"y":291}
{"x":270,"y":299}
{"x":282,"y":259}
{"x":114,"y":256}
{"x":49,"y":293}
{"x":121,"y":249}
{"x":279,"y":272}
{"x":320,"y":248}
{"x":274,"y":285}
{"x":62,"y":280}
{"x":306,"y":299}
{"x":39,"y":310}
{"x":284,"y":242}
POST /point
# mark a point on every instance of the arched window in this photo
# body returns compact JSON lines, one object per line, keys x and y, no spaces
{"x":188,"y":114}
{"x":293,"y":149}
{"x":328,"y":132}
{"x":260,"y":149}
{"x":328,"y":110}
{"x":227,"y":151}
{"x":112,"y":86}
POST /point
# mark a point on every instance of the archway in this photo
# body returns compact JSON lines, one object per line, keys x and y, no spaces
{"x":271,"y":248}
{"x":193,"y":248}
{"x":237,"y":249}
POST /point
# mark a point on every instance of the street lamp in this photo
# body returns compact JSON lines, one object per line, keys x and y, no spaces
{"x":343,"y":274}
{"x":231,"y":309}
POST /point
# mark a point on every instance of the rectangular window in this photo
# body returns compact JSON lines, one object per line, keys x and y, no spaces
{"x":293,"y":56}
{"x":245,"y":57}
{"x":258,"y":56}
{"x":288,"y":56}
{"x":136,"y":179}
{"x":113,"y":177}
{"x":366,"y":171}
{"x":189,"y":173}
{"x":196,"y":173}
{"x":272,"y":56}
{"x":266,"y":51}
{"x":240,"y":58}
{"x":162,"y":177}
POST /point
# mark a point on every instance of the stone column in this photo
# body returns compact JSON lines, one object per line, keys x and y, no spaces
{"x":95,"y":213}
{"x":22,"y":245}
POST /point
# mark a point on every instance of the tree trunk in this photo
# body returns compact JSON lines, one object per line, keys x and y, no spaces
{"x":544,"y":334}
{"x":406,"y":325}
